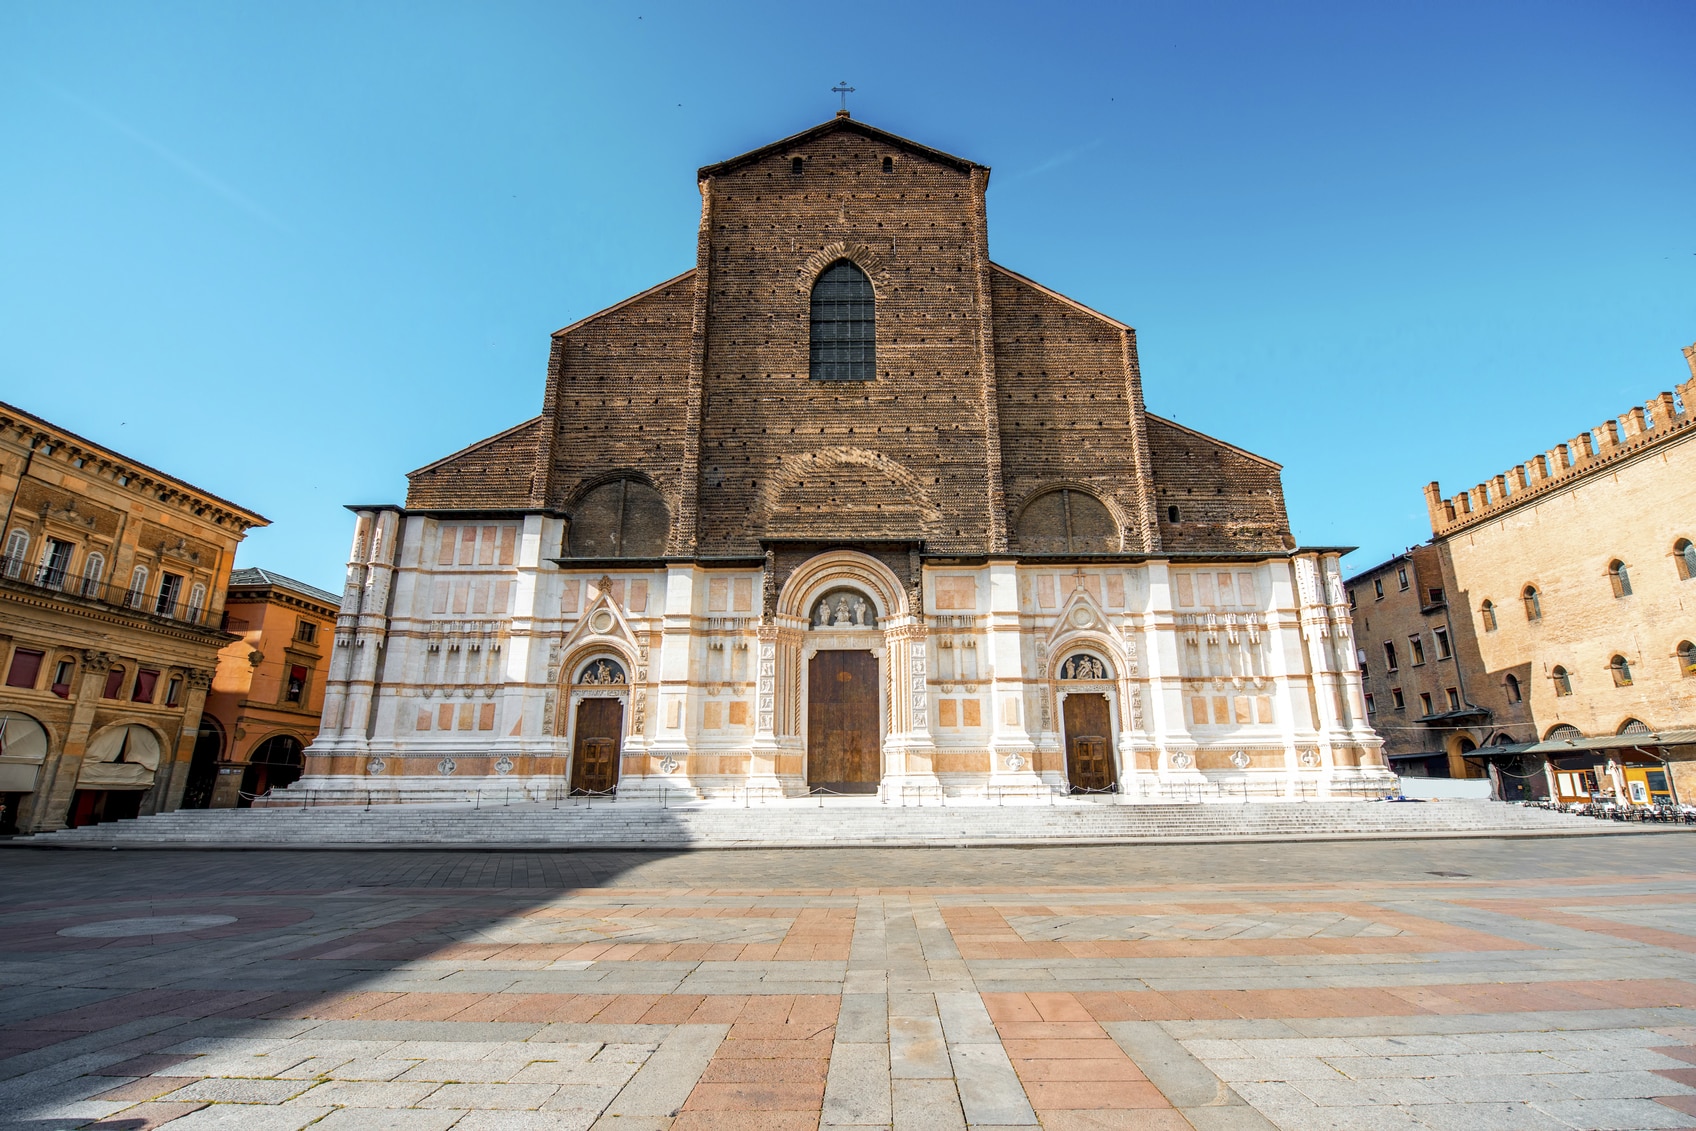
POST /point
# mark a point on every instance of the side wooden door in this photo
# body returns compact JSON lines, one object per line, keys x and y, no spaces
{"x":843,"y":739}
{"x":1089,"y":742}
{"x":594,"y":756}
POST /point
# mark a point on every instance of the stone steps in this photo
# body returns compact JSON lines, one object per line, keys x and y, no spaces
{"x":802,"y":823}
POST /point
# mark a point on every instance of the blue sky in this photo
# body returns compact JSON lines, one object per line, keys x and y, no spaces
{"x":292,"y":251}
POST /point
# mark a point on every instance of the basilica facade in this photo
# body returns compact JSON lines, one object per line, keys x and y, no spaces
{"x":847,"y":507}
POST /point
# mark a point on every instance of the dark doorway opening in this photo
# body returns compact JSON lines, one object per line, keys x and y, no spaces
{"x":1089,"y":744}
{"x":9,"y":803}
{"x":92,"y":806}
{"x":203,"y":767}
{"x":276,"y":764}
{"x":594,"y":754}
{"x":844,"y":743}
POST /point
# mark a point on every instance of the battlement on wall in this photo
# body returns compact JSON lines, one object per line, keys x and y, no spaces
{"x":1616,"y":438}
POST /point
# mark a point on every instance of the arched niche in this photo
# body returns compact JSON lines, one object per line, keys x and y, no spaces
{"x":843,"y":606}
{"x":1066,"y":520}
{"x":619,"y":518}
{"x":601,"y":671}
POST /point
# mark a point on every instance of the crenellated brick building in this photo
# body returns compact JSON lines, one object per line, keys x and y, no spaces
{"x":846,"y":506}
{"x":1565,"y":589}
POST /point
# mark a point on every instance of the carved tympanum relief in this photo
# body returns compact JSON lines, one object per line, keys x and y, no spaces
{"x":843,"y":608}
{"x":600,"y":673}
{"x":1084,"y":666}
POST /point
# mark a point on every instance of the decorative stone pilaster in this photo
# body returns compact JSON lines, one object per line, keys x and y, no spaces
{"x":1012,"y":753}
{"x":909,"y":751}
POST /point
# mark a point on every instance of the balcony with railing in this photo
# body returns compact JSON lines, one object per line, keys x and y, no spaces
{"x":170,"y":605}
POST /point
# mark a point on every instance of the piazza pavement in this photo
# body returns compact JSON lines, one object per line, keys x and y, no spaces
{"x":1465,"y":984}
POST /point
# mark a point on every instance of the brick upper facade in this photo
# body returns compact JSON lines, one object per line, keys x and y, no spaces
{"x":990,"y":388}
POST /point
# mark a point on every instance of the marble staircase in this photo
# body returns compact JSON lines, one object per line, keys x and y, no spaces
{"x":809,"y":822}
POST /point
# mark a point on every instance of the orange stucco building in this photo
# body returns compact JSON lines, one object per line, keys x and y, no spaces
{"x":268,"y":690}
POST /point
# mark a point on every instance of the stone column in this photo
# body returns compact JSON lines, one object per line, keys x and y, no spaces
{"x":370,"y":629}
{"x":172,"y":778}
{"x":334,"y":716}
{"x":50,"y":804}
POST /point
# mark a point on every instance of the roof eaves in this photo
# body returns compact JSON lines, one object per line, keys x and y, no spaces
{"x":620,"y":305}
{"x":841,"y":121}
{"x":118,"y":457}
{"x":1216,"y":440}
{"x":264,"y":577}
{"x":1058,"y":297}
{"x":485,"y":442}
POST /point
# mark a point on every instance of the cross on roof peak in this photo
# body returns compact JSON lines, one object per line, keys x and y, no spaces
{"x":844,"y":90}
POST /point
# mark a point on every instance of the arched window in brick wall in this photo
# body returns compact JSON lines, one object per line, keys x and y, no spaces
{"x":1533,"y":603}
{"x":625,"y":518}
{"x":1686,"y":659}
{"x":1563,"y":681}
{"x":1621,"y":670}
{"x":1684,"y":554}
{"x":1511,"y":683}
{"x":1620,"y":578}
{"x":844,"y":325}
{"x":1488,"y":612}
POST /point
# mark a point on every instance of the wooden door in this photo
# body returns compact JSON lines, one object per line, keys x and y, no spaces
{"x":843,"y":735}
{"x":594,"y":757}
{"x":1089,"y":743}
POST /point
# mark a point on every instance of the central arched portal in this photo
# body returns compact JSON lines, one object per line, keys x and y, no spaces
{"x":1087,"y":715}
{"x":844,"y":740}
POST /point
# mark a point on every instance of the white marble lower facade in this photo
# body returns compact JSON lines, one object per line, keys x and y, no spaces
{"x":466,"y":656}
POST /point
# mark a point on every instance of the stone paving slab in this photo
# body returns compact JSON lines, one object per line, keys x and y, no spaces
{"x":1470,"y":985}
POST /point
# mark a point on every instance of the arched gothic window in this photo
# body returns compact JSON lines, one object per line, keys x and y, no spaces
{"x":1634,"y":726}
{"x":1686,"y":658}
{"x":622,"y":519}
{"x":844,"y":325}
{"x":1563,"y":681}
{"x":1685,"y":552}
{"x":1067,"y":521}
{"x":1533,"y":603}
{"x":1621,"y":670}
{"x":1512,"y":684}
{"x":1619,"y":578}
{"x":1563,"y":733}
{"x":1488,"y":612}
